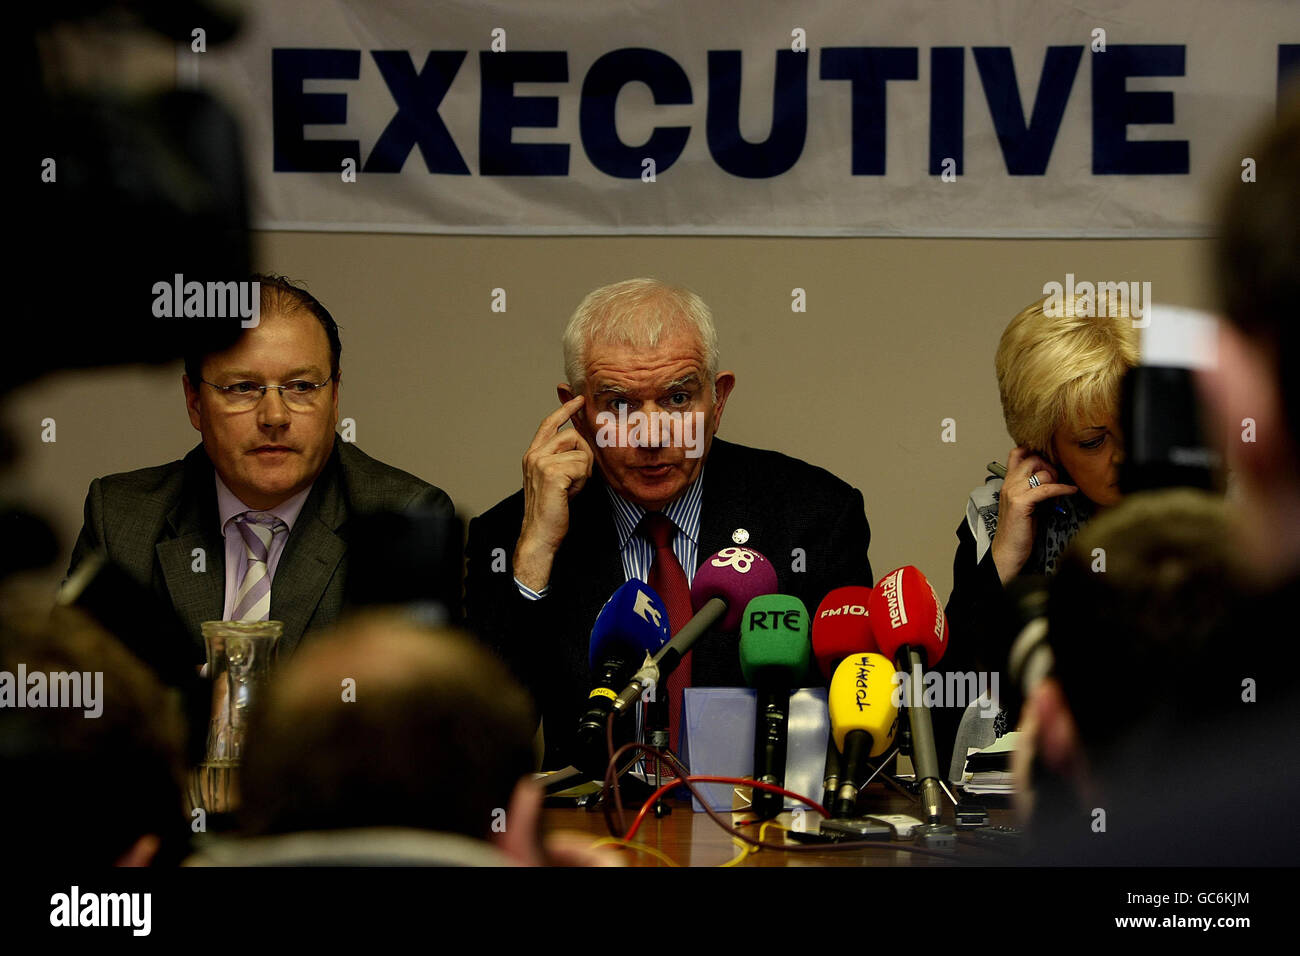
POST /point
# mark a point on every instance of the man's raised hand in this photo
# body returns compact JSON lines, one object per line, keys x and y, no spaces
{"x":556,"y":466}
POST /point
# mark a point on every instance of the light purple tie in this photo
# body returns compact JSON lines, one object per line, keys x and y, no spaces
{"x":253,"y":599}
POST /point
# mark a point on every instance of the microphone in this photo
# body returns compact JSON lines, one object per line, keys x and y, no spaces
{"x":908,"y":622}
{"x":723,"y":586}
{"x":774,"y":656}
{"x":864,"y":719}
{"x":631,"y":626}
{"x":841,"y":627}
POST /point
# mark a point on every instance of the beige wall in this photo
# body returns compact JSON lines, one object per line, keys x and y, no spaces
{"x":899,"y":334}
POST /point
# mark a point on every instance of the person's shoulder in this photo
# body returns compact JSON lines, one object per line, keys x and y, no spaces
{"x":789,"y":472}
{"x":381,"y":485}
{"x":496,"y":527}
{"x":508,"y":511}
{"x":152,"y":482}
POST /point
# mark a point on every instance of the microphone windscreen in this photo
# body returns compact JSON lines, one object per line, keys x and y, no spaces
{"x":905,"y":610}
{"x":633,"y":622}
{"x":841,"y":627}
{"x":774,"y":645}
{"x":737,"y":576}
{"x":864,"y":696}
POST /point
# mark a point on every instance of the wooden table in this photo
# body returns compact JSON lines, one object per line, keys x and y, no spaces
{"x":694,"y":839}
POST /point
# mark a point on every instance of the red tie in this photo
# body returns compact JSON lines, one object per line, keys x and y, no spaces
{"x":669,"y":582}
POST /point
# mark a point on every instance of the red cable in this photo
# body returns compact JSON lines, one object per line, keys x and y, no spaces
{"x":734,"y":781}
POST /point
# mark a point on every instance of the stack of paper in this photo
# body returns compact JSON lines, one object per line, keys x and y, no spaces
{"x":989,"y":770}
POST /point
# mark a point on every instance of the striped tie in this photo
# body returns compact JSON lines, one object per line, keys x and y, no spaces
{"x":253,"y":600}
{"x":252,"y":603}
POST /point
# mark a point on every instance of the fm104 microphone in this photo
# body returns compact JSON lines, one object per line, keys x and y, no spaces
{"x":723,"y":586}
{"x":632,"y":626}
{"x":864,"y":720}
{"x":909,"y":625}
{"x":840,"y":627}
{"x":774,"y":655}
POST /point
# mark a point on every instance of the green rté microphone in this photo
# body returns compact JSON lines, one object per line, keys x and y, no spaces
{"x":775,"y":652}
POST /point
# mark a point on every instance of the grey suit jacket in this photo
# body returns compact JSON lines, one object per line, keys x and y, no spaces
{"x":152,"y":521}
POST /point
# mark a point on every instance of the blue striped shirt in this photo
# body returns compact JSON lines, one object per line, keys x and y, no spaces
{"x":637,"y":552}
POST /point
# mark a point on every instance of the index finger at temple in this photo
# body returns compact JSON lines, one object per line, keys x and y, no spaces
{"x":563,"y":441}
{"x":553,"y":422}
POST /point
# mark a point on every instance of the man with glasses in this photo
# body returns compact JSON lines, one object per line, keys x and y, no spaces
{"x":252,"y":524}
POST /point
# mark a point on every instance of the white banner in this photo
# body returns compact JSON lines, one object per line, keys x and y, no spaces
{"x":1016,"y":118}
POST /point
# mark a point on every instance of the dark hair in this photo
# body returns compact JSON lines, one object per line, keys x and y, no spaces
{"x":437,"y":738}
{"x":1143,"y":636}
{"x":79,"y":789}
{"x":1258,"y":251}
{"x":281,"y":296}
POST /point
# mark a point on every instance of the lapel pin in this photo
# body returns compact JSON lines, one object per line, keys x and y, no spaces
{"x":740,"y":536}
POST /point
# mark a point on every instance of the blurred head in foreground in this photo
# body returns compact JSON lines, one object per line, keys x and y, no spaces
{"x":387,"y":724}
{"x":1254,"y":392}
{"x":1148,"y":626}
{"x":92,"y":760}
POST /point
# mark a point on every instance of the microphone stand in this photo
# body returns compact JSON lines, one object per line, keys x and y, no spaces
{"x":656,"y":734}
{"x":933,"y":832}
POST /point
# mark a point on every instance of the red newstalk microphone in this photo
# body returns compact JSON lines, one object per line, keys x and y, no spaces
{"x":908,"y":622}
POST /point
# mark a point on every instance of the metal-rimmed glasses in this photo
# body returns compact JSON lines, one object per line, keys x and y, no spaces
{"x":298,"y":394}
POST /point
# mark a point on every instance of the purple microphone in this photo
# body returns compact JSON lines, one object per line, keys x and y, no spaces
{"x":723,"y":585}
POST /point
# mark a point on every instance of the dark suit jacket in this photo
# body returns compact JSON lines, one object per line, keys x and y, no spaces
{"x":782,"y":502}
{"x":150,"y":521}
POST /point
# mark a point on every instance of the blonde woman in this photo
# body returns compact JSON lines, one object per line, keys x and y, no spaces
{"x":1059,"y":374}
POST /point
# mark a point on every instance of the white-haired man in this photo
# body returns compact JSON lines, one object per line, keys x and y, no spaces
{"x":640,"y":474}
